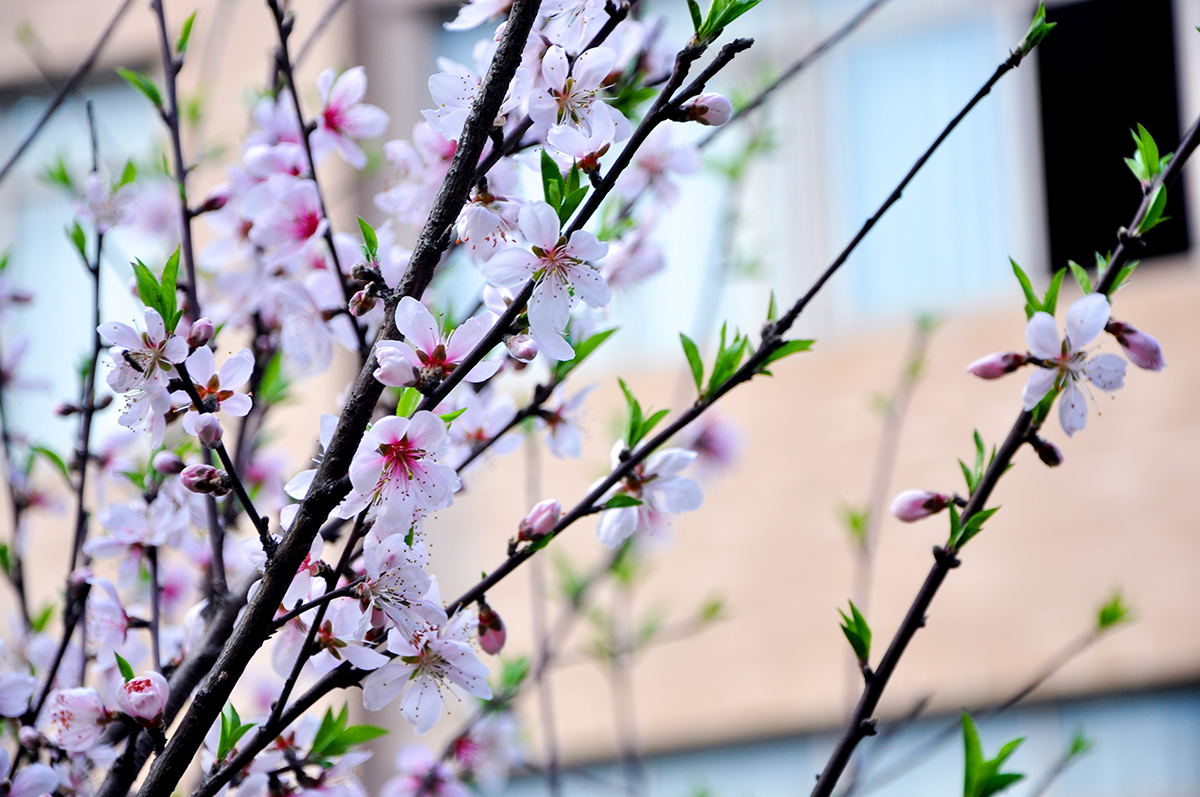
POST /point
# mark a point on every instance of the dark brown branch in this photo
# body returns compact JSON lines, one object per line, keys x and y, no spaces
{"x":73,"y":80}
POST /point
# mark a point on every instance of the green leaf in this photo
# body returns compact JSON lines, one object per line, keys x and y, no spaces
{"x":635,"y":415}
{"x":975,"y":525}
{"x":956,"y":529}
{"x":126,"y":670}
{"x":42,"y":619}
{"x":274,"y":385}
{"x":1039,"y":29}
{"x":788,"y":348}
{"x":858,"y":633}
{"x":75,"y":233}
{"x":571,"y":201}
{"x":1081,"y":276}
{"x":450,"y":416}
{"x":143,"y":84}
{"x":651,"y":422}
{"x":720,"y":14}
{"x":582,"y":350}
{"x":6,"y":562}
{"x":147,"y":285}
{"x":694,"y":362}
{"x":5,"y":256}
{"x":512,"y":674}
{"x":711,"y":610}
{"x":410,"y":397}
{"x":53,"y":459}
{"x":1154,"y":216}
{"x":772,"y":309}
{"x":856,"y":520}
{"x":551,"y":178}
{"x":982,"y":778}
{"x":128,"y":175}
{"x":621,"y":501}
{"x":697,"y":20}
{"x":1149,"y":151}
{"x":181,"y":44}
{"x":370,"y":240}
{"x":167,"y":297}
{"x":358,"y":734}
{"x":1032,"y":305}
{"x":56,"y":174}
{"x":1113,"y":613}
{"x":1050,"y":303}
{"x":1080,"y":744}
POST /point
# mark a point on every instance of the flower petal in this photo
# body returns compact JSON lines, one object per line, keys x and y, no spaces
{"x":1086,"y":319}
{"x":1040,"y":383}
{"x":1042,"y":336}
{"x":1072,"y":409}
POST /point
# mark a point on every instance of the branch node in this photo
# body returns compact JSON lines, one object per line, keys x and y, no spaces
{"x":945,"y":558}
{"x":868,"y":727}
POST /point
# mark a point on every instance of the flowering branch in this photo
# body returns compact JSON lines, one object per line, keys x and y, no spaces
{"x":861,"y":725}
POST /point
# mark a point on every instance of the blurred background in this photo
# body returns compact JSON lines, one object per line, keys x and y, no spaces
{"x":731,"y":675}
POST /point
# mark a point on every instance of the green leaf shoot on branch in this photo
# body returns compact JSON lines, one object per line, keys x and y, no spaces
{"x":160,"y":295}
{"x":232,"y":730}
{"x":1039,"y":29}
{"x":1113,"y":613}
{"x":982,"y":777}
{"x":181,"y":44}
{"x":720,"y":14}
{"x":1146,"y":164}
{"x":144,"y":85}
{"x":639,"y":424}
{"x":582,"y":350}
{"x":858,"y":633}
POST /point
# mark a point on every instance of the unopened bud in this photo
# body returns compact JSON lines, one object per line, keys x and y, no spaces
{"x":206,"y":480}
{"x":81,"y":575}
{"x":201,"y":333}
{"x":143,"y":698}
{"x":65,"y":409}
{"x":216,"y":199}
{"x":1047,"y":452}
{"x":491,"y":630}
{"x":361,"y":303}
{"x":709,"y":108}
{"x":540,"y":521}
{"x":1141,"y":349}
{"x":30,"y":737}
{"x":912,"y":505}
{"x":522,"y":347}
{"x":996,"y":365}
{"x":167,"y":463}
{"x":208,"y":429}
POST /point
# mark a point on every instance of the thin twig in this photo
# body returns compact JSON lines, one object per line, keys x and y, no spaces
{"x":322,"y":23}
{"x":155,"y":596}
{"x":77,"y":75}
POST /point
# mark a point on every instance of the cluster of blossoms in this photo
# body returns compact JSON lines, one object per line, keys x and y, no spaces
{"x":275,"y":275}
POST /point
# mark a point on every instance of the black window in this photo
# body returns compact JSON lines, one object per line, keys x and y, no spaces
{"x":1109,"y":65}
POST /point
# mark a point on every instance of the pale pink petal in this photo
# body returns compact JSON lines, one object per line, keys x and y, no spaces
{"x":593,"y":66}
{"x":201,"y":365}
{"x":1042,"y":336}
{"x":417,"y":325}
{"x":350,"y":88}
{"x":616,"y":525}
{"x":236,"y":370}
{"x":510,"y":266}
{"x":555,"y":68}
{"x":1072,"y":409}
{"x":1106,"y":371}
{"x":585,"y":246}
{"x":1040,"y":383}
{"x":422,"y":705}
{"x":589,"y":285}
{"x":539,"y":224}
{"x":237,"y":405}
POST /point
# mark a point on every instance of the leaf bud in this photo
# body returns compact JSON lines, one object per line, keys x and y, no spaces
{"x":540,"y":521}
{"x":912,"y":505}
{"x":167,"y":463}
{"x":522,"y":347}
{"x":208,"y":429}
{"x":1141,"y":349}
{"x":709,"y":108}
{"x":491,"y":630}
{"x":201,"y":333}
{"x":996,"y":365}
{"x":361,"y":303}
{"x":206,"y":480}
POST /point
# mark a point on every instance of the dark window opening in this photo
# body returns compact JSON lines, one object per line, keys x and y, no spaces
{"x":1109,"y":65}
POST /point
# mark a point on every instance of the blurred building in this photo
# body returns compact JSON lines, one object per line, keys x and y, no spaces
{"x":751,"y":703}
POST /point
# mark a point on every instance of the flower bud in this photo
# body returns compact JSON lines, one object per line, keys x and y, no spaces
{"x":491,"y":630}
{"x":912,"y":505}
{"x":1141,"y":349}
{"x":709,"y":108}
{"x":522,"y":347}
{"x":65,"y":409}
{"x":540,"y":520}
{"x":143,"y":698}
{"x":30,"y":737}
{"x":201,"y":333}
{"x":167,"y":463}
{"x":206,"y":480}
{"x":208,"y":429}
{"x":361,"y":303}
{"x":996,"y":365}
{"x":216,"y":199}
{"x":1047,"y":452}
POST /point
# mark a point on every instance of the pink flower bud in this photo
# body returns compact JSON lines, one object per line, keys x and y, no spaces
{"x":540,"y":520}
{"x":201,"y":333}
{"x":205,"y":479}
{"x":1141,"y":349}
{"x":167,"y":463}
{"x":491,"y":630}
{"x":65,"y":409}
{"x":709,"y":108}
{"x":216,"y":199}
{"x":30,"y":737}
{"x":912,"y":505}
{"x":996,"y":365}
{"x":78,"y":718}
{"x":361,"y":303}
{"x":522,"y":347}
{"x":208,"y":429}
{"x":143,"y":698}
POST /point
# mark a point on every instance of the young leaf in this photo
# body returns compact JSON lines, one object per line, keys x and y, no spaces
{"x":982,"y":778}
{"x":858,"y":633}
{"x":788,"y":348}
{"x":181,"y":44}
{"x":143,"y":84}
{"x":1154,"y":216}
{"x":1149,"y":151}
{"x":126,"y":670}
{"x":370,"y":240}
{"x":1081,"y":276}
{"x":1113,"y":613}
{"x":56,"y":174}
{"x":53,"y":459}
{"x":1039,"y":29}
{"x":650,"y":423}
{"x":571,"y":201}
{"x":582,"y":350}
{"x":410,"y":397}
{"x":697,"y":20}
{"x":128,"y":175}
{"x":694,"y":362}
{"x":772,"y":309}
{"x":1032,"y":305}
{"x":635,"y":415}
{"x":1050,"y":303}
{"x":551,"y":179}
{"x":75,"y":233}
{"x":167,"y":297}
{"x":40,"y":620}
{"x":147,"y":286}
{"x":620,"y":501}
{"x":450,"y":416}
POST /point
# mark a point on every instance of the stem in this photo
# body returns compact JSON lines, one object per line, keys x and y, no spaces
{"x":155,"y":594}
{"x":541,"y":394}
{"x":341,"y":592}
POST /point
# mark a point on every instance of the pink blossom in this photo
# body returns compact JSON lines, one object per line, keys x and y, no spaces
{"x":560,"y":266}
{"x":661,"y":490}
{"x":421,"y":775}
{"x":78,"y":718}
{"x":912,"y":505}
{"x":709,"y":108}
{"x":286,"y":215}
{"x":656,"y":161}
{"x":345,"y":119}
{"x":217,"y":389}
{"x":476,"y":12}
{"x":15,"y":690}
{"x":1141,"y":349}
{"x":485,"y":415}
{"x":201,"y":332}
{"x":397,"y":586}
{"x":540,"y":521}
{"x":143,"y":698}
{"x":569,"y":95}
{"x":420,"y":167}
{"x":559,"y":417}
{"x":103,"y":206}
{"x":33,"y":780}
{"x":205,"y":479}
{"x":427,"y":355}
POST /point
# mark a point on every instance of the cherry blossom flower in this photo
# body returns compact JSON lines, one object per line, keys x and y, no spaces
{"x":143,"y":360}
{"x":572,"y":23}
{"x":286,"y":216}
{"x":572,"y":146}
{"x":490,"y":750}
{"x":708,"y":108}
{"x":78,"y":716}
{"x":560,"y":266}
{"x":489,"y":220}
{"x":15,"y":690}
{"x":415,"y":765}
{"x":655,"y":162}
{"x":395,"y":471}
{"x":345,"y":118}
{"x":453,"y":91}
{"x":913,"y":505}
{"x":143,"y":698}
{"x":570,"y":94}
{"x":217,"y":389}
{"x":427,"y":355}
{"x":558,"y":416}
{"x":661,"y":490}
{"x":426,"y":663}
{"x":397,"y":586}
{"x":484,"y":415}
{"x":275,"y":121}
{"x":1068,"y":365}
{"x":420,"y":168}
{"x":33,"y":780}
{"x":477,"y":12}
{"x":632,"y":260}
{"x":339,"y":639}
{"x":134,"y":527}
{"x":103,"y":206}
